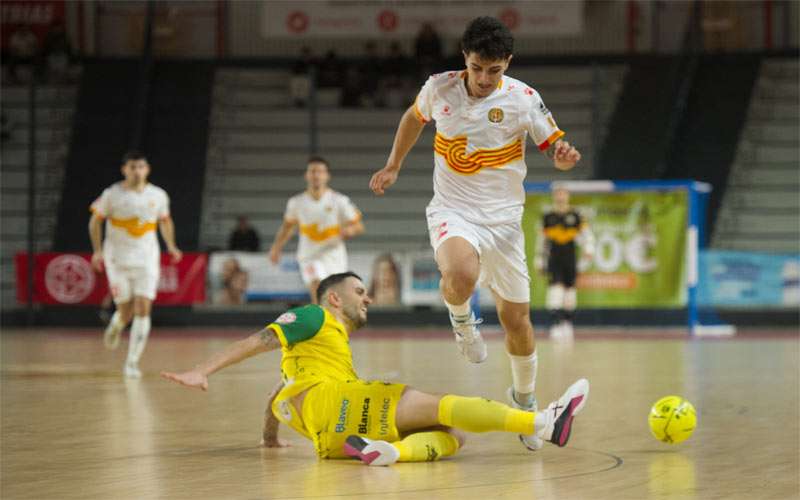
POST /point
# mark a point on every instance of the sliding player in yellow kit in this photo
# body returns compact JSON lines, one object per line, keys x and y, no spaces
{"x":377,"y":422}
{"x":483,"y":118}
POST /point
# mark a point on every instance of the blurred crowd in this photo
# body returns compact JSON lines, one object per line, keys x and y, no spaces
{"x":375,"y":80}
{"x":50,"y":60}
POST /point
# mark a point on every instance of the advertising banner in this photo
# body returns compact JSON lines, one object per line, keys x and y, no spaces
{"x":38,"y":16}
{"x":749,"y":279}
{"x":391,"y":19}
{"x":640,"y":240}
{"x":68,"y":278}
{"x":239,"y":277}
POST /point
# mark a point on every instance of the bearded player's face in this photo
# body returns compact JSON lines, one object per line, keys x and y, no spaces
{"x":483,"y":76}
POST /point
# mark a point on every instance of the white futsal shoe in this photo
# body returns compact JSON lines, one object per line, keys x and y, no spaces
{"x":469,"y":339}
{"x":559,"y":414}
{"x":533,"y":442}
{"x":131,"y":370}
{"x":112,"y":335}
{"x":371,"y":452}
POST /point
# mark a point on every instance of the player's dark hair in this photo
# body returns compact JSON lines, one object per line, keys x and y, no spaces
{"x":133,"y":155}
{"x":318,"y":159}
{"x":489,"y":38}
{"x":333,"y":280}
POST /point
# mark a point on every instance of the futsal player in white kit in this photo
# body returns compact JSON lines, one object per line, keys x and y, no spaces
{"x":483,"y":118}
{"x":130,"y":254}
{"x":326,"y":218}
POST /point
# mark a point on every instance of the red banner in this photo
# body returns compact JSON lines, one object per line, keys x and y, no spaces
{"x":38,"y":15}
{"x":68,"y":278}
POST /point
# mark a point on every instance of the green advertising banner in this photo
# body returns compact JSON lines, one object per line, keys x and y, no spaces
{"x":640,"y":248}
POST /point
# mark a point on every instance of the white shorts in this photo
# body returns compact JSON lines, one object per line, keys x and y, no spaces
{"x":501,"y":249}
{"x":323,"y":265}
{"x":128,"y":282}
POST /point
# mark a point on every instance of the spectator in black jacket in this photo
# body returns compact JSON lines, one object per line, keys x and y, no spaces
{"x":244,"y":238}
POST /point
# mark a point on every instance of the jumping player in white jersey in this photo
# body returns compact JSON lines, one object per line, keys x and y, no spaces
{"x":326,"y":218}
{"x":474,"y":219}
{"x":130,"y":253}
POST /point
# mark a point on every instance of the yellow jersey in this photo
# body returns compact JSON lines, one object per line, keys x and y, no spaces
{"x":315,"y":348}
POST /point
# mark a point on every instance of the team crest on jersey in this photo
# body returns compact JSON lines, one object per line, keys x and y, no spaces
{"x":286,"y":318}
{"x":570,"y":219}
{"x":496,"y":115}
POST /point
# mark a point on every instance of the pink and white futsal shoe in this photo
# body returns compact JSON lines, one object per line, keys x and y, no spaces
{"x":559,"y":414}
{"x":371,"y":452}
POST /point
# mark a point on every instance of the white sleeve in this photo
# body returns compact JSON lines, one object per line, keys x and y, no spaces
{"x":423,"y":106}
{"x":540,"y":123}
{"x":102,"y":205}
{"x":291,"y":210}
{"x":348,"y":212}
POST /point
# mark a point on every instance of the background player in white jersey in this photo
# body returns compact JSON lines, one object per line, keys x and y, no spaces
{"x":482,"y":120}
{"x":325,"y":218}
{"x":130,"y":253}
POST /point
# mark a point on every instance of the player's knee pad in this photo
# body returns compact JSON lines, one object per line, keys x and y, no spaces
{"x":570,"y":299}
{"x":555,"y":296}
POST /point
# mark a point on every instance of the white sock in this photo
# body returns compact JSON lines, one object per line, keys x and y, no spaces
{"x":116,"y":322}
{"x":140,"y":330}
{"x":462,"y":311}
{"x":523,"y":372}
{"x":539,"y":421}
{"x":570,"y":299}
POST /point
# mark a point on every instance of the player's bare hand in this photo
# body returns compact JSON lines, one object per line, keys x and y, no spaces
{"x":274,"y":442}
{"x":382,"y":179}
{"x":274,"y":255}
{"x":192,"y":378}
{"x":97,"y":261}
{"x":565,"y":156}
{"x":176,"y":255}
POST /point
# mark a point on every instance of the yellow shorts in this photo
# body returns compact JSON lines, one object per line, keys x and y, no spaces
{"x":333,"y":410}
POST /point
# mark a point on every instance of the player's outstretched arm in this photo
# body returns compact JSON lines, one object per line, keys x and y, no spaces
{"x":96,"y":236}
{"x":269,"y":434}
{"x":281,"y":238}
{"x":167,"y":229}
{"x":407,"y":134}
{"x":259,"y":342}
{"x":563,"y":155}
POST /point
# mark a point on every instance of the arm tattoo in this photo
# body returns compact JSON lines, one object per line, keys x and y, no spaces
{"x":269,"y":339}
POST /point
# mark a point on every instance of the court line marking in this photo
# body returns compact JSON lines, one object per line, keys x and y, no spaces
{"x":183,"y":452}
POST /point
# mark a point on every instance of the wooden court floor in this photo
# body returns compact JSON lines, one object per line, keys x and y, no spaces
{"x":73,"y":428}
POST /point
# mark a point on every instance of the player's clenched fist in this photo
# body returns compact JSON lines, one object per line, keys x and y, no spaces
{"x":382,"y":179}
{"x":565,"y":156}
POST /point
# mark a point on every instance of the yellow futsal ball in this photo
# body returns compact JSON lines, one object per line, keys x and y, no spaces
{"x":672,"y":419}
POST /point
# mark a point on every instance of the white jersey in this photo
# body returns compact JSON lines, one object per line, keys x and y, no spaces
{"x":320,"y":222}
{"x":479,"y":150}
{"x":131,"y":221}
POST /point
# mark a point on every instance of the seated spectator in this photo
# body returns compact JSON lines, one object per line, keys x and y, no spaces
{"x":300,"y":83}
{"x":428,"y":50}
{"x":352,"y":89}
{"x":244,"y":238}
{"x":23,"y":49}
{"x":330,"y":71}
{"x":371,"y":74}
{"x":57,"y":53}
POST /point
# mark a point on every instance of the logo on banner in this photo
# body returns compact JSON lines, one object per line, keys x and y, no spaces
{"x":387,"y":20}
{"x":169,"y":280}
{"x":297,"y":21}
{"x":69,"y":279}
{"x":510,"y":18}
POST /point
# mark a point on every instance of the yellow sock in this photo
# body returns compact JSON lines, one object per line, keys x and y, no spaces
{"x":483,"y":415}
{"x":426,"y":446}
